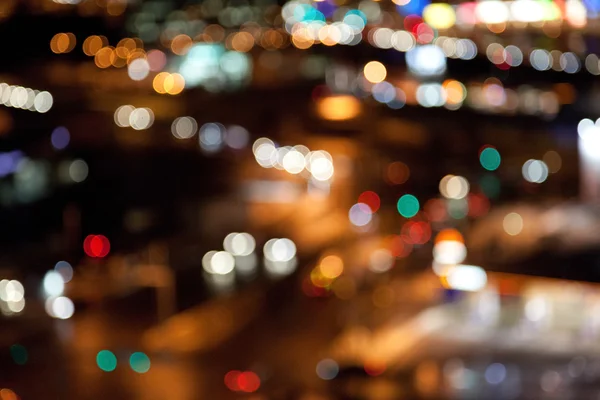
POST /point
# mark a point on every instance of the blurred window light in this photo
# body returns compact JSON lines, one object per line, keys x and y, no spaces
{"x":122,"y":115}
{"x":211,"y":137}
{"x":512,"y":223}
{"x":513,"y":56}
{"x":527,"y":10}
{"x":294,"y":162}
{"x":492,"y":12}
{"x":540,"y":59}
{"x":570,"y":63}
{"x":53,"y":284}
{"x":320,"y":165}
{"x":221,"y":263}
{"x":277,"y":192}
{"x":279,"y":250}
{"x":469,"y":278}
{"x":60,"y":307}
{"x":382,"y":38}
{"x":11,"y":291}
{"x":403,"y":41}
{"x":431,"y":95}
{"x":138,"y":69}
{"x":65,"y":270}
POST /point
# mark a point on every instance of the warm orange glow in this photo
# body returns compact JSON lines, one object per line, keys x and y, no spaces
{"x":159,"y":82}
{"x":451,"y":235}
{"x":331,"y":266}
{"x":338,"y":108}
{"x":375,"y":72}
{"x":7,"y":394}
{"x":93,"y":44}
{"x":63,"y":43}
{"x":174,"y":84}
{"x":104,"y":56}
{"x":181,"y":44}
{"x":242,"y":41}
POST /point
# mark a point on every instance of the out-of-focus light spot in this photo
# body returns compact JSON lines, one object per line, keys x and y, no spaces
{"x":78,"y":171}
{"x":248,"y":382}
{"x":184,"y":127}
{"x":381,"y":260}
{"x":374,"y":367}
{"x":122,"y":115}
{"x":106,"y":360}
{"x":320,"y":165}
{"x":553,"y":161}
{"x":53,"y":284}
{"x":449,"y":252}
{"x":60,"y":138}
{"x":60,"y":307}
{"x":138,"y":69}
{"x":43,"y":102}
{"x":139,"y":362}
{"x":237,"y":137}
{"x":96,"y":246}
{"x":239,"y":244}
{"x":495,"y":373}
{"x":156,"y":60}
{"x":439,"y":15}
{"x":7,"y":394}
{"x":397,"y":173}
{"x":403,"y":41}
{"x":536,"y":309}
{"x":338,"y":108}
{"x":174,"y":84}
{"x":221,"y":263}
{"x":19,"y":354}
{"x":92,"y":44}
{"x":431,"y":95}
{"x":490,"y":185}
{"x":540,"y":59}
{"x":63,"y":43}
{"x":428,"y":60}
{"x":231,"y":380}
{"x":344,"y":287}
{"x":490,"y":158}
{"x":279,"y":250}
{"x":331,"y":266}
{"x":550,"y":380}
{"x":181,"y":44}
{"x":435,"y":209}
{"x":11,"y":291}
{"x":408,"y":206}
{"x":469,"y":278}
{"x":375,"y":72}
{"x":371,"y":199}
{"x":211,"y":137}
{"x":512,"y":223}
{"x":158,"y":83}
{"x":360,"y":214}
{"x":294,"y":162}
{"x":492,"y":12}
{"x":327,"y":369}
{"x":141,"y":118}
{"x":454,"y":187}
{"x":65,"y":270}
{"x":535,"y":171}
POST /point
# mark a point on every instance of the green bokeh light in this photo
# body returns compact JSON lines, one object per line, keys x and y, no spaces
{"x":408,"y":206}
{"x":139,"y":362}
{"x":106,"y":360}
{"x":490,"y":185}
{"x":490,"y":158}
{"x":18,"y":354}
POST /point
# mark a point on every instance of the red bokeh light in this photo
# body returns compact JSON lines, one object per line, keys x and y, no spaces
{"x":399,"y":247}
{"x":231,"y":380}
{"x":96,"y":246}
{"x":374,"y":368}
{"x":371,"y":199}
{"x":248,"y":382}
{"x":479,"y":205}
{"x":416,"y":232}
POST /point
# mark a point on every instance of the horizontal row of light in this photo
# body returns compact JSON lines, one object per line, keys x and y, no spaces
{"x":136,"y":118}
{"x":25,"y":98}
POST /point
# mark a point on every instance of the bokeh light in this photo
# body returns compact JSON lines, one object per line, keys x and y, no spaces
{"x":139,"y":362}
{"x":512,"y":223}
{"x":489,"y":158}
{"x":408,"y":206}
{"x":106,"y":360}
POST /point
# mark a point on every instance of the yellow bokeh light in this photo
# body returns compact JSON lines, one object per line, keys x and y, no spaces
{"x":181,"y":44}
{"x":439,"y":15}
{"x":135,"y":54}
{"x":174,"y":84}
{"x":338,"y":108}
{"x":62,"y":43}
{"x":116,"y":7}
{"x":375,"y":72}
{"x":318,"y":279}
{"x":159,"y":82}
{"x":301,"y":41}
{"x":456,"y":92}
{"x":331,"y":266}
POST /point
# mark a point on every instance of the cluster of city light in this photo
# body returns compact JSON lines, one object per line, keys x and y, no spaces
{"x":129,"y":52}
{"x":12,"y":297}
{"x":63,"y":43}
{"x":53,"y":285}
{"x":279,"y":257}
{"x":136,"y":118}
{"x":589,"y":138}
{"x":295,"y":160}
{"x":25,"y":98}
